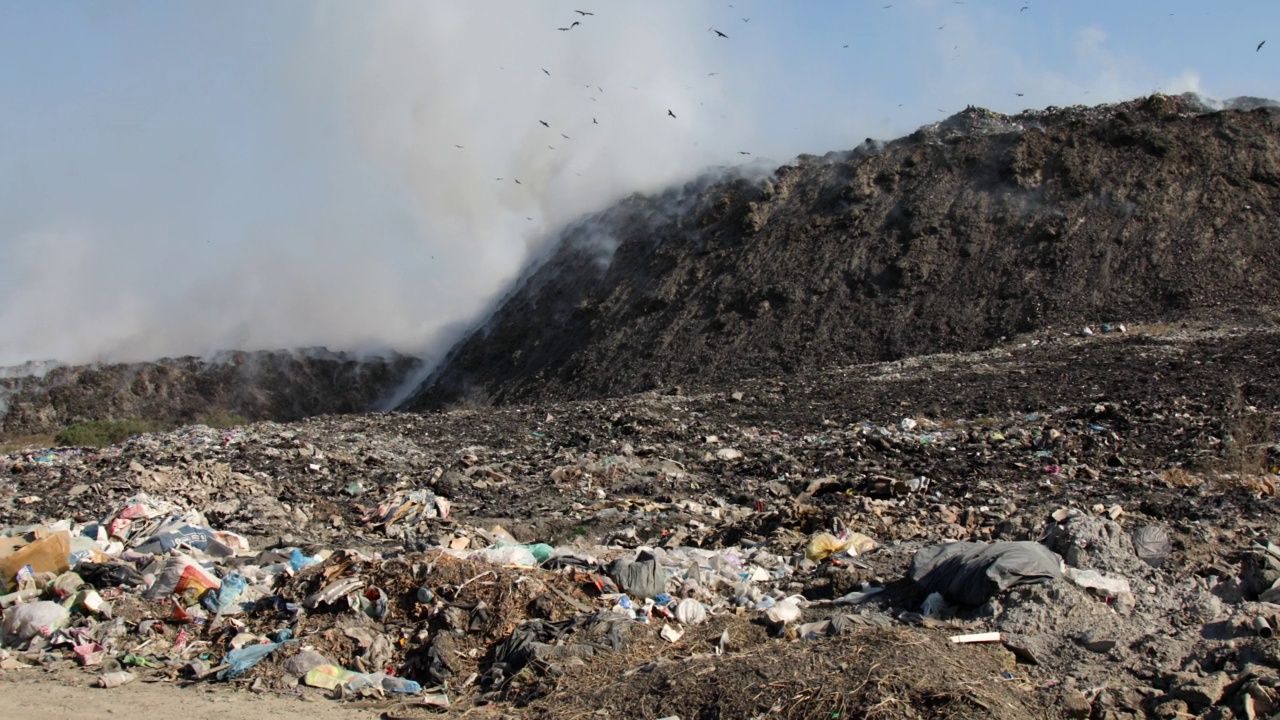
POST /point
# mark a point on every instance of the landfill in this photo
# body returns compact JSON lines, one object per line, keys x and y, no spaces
{"x":865,"y":550}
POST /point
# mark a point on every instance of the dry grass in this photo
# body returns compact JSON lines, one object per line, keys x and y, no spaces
{"x":1180,"y":478}
{"x":27,"y":442}
{"x":1248,"y":434}
{"x":873,"y":673}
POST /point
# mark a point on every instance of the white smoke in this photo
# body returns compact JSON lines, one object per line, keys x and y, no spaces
{"x":406,"y":235}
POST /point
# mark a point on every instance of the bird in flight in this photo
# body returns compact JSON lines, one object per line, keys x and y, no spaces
{"x":593,"y":121}
{"x":1023,"y":8}
{"x":544,"y":123}
{"x":574,"y":24}
{"x":545,"y":71}
{"x":566,"y":137}
{"x":846,"y":46}
{"x":710,"y":74}
{"x":671,"y":113}
{"x":743,"y":152}
{"x":583,"y":14}
{"x":564,"y":29}
{"x":518,"y":182}
{"x":459,"y":147}
{"x":1018,"y":94}
{"x":551,"y":147}
{"x":1264,"y":42}
{"x":722,"y":34}
{"x":746,"y":19}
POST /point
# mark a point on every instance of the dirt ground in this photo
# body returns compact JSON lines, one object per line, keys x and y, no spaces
{"x":35,"y":695}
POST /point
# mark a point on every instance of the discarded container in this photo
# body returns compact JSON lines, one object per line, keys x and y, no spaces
{"x":225,"y":599}
{"x":400,"y":685}
{"x":89,"y":654}
{"x":115,"y":679}
{"x":45,"y":555}
{"x":1262,"y":627}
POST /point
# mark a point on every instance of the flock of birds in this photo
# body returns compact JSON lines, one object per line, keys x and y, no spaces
{"x":722,"y":35}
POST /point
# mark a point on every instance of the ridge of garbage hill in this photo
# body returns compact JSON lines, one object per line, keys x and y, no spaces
{"x":979,"y":227}
{"x":42,"y":398}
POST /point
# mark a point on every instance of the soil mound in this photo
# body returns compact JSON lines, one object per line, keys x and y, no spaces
{"x":37,"y":399}
{"x":980,"y":227}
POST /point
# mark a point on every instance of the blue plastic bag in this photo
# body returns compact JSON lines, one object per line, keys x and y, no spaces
{"x":298,"y":561}
{"x":244,"y":658}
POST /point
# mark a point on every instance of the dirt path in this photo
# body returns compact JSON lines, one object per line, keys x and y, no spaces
{"x":35,"y":695}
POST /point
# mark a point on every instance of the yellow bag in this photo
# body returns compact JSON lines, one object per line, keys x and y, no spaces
{"x":327,"y":677}
{"x":823,"y":545}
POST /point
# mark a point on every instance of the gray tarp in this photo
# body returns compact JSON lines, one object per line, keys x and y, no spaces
{"x":969,"y":573}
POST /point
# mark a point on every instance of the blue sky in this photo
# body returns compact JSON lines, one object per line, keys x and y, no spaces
{"x":182,"y":177}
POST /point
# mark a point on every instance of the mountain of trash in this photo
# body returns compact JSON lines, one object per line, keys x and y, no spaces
{"x":976,"y":228}
{"x":43,"y":398}
{"x":1069,"y":525}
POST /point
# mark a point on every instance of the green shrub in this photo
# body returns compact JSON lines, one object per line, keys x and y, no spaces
{"x":100,"y":433}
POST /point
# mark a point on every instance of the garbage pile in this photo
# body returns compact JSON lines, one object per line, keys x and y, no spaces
{"x":1070,"y":560}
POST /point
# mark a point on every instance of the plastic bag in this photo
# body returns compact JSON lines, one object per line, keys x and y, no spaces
{"x":823,"y":545}
{"x":508,"y":555}
{"x":786,"y":611}
{"x":105,"y":575}
{"x":297,"y":560}
{"x":23,"y":622}
{"x":540,"y":551}
{"x":327,"y":677}
{"x":244,"y":658}
{"x":691,"y":612}
{"x":641,"y":577}
{"x":969,"y":573}
{"x":181,"y":572}
{"x":1152,"y":545}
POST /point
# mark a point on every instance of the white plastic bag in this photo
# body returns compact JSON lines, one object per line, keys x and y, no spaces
{"x":786,"y":611}
{"x":508,"y":555}
{"x":691,"y":612}
{"x":23,"y":622}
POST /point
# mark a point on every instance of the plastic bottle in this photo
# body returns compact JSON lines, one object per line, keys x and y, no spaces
{"x":400,"y":685}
